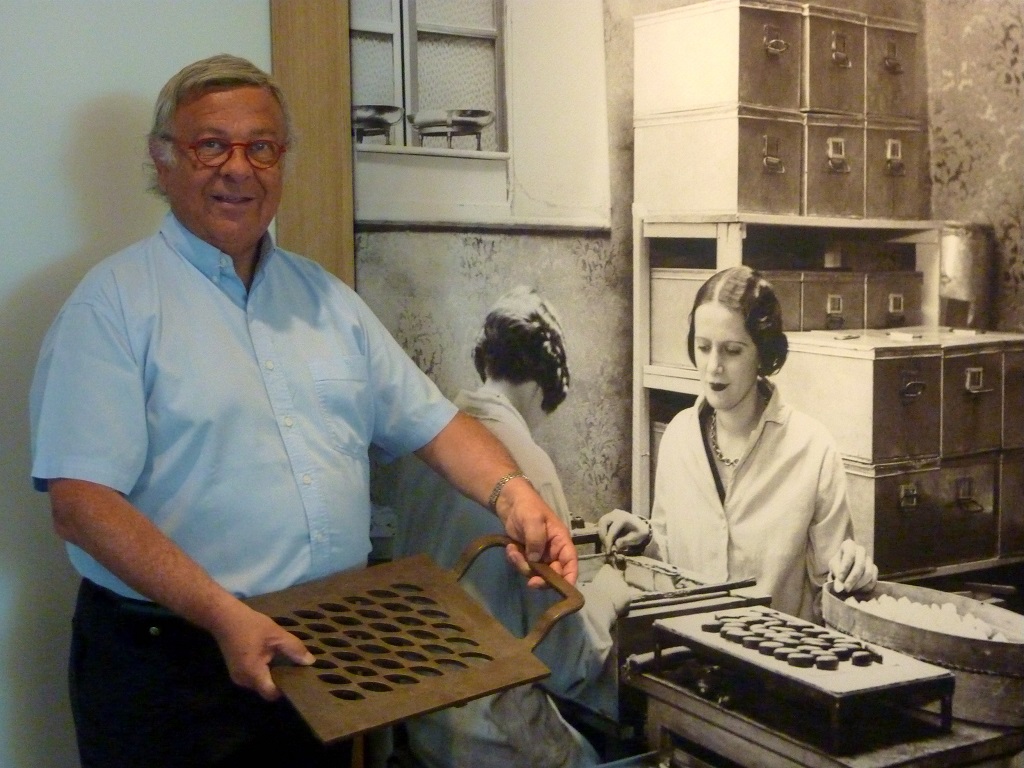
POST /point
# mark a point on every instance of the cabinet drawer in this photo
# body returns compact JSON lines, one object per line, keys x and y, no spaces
{"x":833,"y":61}
{"x":897,"y":183}
{"x":931,"y":516}
{"x":720,"y":52}
{"x":892,"y":299}
{"x":732,"y":160}
{"x":1013,"y":394}
{"x":833,"y":166}
{"x":672,"y":295}
{"x":880,"y":398}
{"x":892,"y":63}
{"x":832,"y":301}
{"x":1011,"y":503}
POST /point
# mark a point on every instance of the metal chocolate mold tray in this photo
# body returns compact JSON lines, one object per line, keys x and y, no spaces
{"x":401,"y":639}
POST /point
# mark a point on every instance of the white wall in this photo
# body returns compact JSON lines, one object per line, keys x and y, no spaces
{"x":77,"y":83}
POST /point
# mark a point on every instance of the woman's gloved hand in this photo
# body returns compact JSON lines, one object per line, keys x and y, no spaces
{"x":622,"y":531}
{"x":609,"y":583}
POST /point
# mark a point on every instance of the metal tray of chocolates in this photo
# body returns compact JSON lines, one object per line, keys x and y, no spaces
{"x":804,"y":661}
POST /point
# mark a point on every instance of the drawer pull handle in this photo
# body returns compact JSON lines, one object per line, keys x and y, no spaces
{"x":839,"y":55}
{"x":770,"y":149}
{"x":774,"y":45}
{"x":974,"y":381}
{"x":912,"y":390}
{"x":908,"y":496}
{"x":892,"y":62}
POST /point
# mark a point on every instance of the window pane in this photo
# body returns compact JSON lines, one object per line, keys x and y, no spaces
{"x":458,"y":73}
{"x":373,"y":72}
{"x":369,"y":11}
{"x":458,"y":13}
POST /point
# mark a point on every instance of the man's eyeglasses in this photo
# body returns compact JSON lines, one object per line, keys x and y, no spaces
{"x":212,"y":152}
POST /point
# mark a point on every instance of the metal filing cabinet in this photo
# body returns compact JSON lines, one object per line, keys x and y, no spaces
{"x":880,"y":398}
{"x":833,"y":61}
{"x":832,"y":300}
{"x":1011,"y":503}
{"x":926,"y":514}
{"x":722,"y":159}
{"x":892,"y":299}
{"x":896,"y":183}
{"x":892,"y":63}
{"x":833,"y":165}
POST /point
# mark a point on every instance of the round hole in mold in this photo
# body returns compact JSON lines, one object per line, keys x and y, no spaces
{"x":420,"y":600}
{"x":436,"y":648}
{"x":402,"y":679}
{"x":286,"y":621}
{"x":405,"y":587}
{"x":411,"y":655}
{"x":334,"y":678}
{"x":336,"y":642}
{"x":397,"y":641}
{"x":424,"y":634}
{"x":347,"y":656}
{"x":355,"y":669}
{"x":346,"y":621}
{"x":434,"y":613}
{"x":452,"y":663}
{"x":301,"y":635}
{"x":371,"y":613}
{"x":334,"y":607}
{"x":358,"y":600}
{"x":316,"y":650}
{"x":375,"y":686}
{"x":319,"y":626}
{"x":426,"y":671}
{"x":307,"y":613}
{"x":381,"y":593}
{"x":475,"y":656}
{"x":359,"y":634}
{"x":396,"y":607}
{"x":324,"y":664}
{"x":347,"y":695}
{"x":445,"y":626}
{"x":386,"y":663}
{"x":462,"y":641}
{"x":372,"y":648}
{"x":383,"y":626}
{"x":410,"y":621}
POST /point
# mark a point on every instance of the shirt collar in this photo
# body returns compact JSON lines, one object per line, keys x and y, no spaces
{"x":774,"y":411}
{"x":208,"y":259}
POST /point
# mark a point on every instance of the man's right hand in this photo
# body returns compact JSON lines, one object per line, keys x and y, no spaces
{"x":249,"y":642}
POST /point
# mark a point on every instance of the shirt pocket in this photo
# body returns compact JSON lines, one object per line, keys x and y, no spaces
{"x":343,"y":395}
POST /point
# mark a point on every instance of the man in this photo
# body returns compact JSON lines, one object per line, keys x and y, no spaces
{"x":202,"y":415}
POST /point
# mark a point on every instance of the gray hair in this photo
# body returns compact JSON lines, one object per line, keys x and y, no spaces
{"x":219,"y":72}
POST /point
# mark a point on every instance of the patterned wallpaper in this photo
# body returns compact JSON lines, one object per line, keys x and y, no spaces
{"x":432,"y":289}
{"x":975,"y":58}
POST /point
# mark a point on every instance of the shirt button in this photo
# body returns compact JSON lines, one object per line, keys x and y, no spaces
{"x":289,"y":421}
{"x":269,"y":365}
{"x":307,"y":480}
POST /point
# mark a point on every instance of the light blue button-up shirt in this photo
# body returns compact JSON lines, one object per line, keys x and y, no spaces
{"x":239,"y":422}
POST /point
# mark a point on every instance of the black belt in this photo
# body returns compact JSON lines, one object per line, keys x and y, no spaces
{"x":137,"y":620}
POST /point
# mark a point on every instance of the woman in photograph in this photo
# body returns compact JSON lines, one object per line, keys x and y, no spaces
{"x":745,"y":486}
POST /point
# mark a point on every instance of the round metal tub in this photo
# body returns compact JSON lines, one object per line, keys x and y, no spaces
{"x":989,"y":674}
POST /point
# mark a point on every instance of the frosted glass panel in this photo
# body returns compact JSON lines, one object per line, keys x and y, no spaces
{"x":373,"y":69}
{"x":457,"y":73}
{"x":364,"y":11}
{"x":459,"y":13}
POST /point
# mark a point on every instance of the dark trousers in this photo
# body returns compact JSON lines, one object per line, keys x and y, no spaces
{"x":150,"y":690}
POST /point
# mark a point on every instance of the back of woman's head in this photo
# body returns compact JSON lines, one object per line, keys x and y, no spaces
{"x":521,"y":341}
{"x":746,"y":292}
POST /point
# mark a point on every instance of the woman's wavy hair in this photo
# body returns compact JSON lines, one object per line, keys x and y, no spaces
{"x":746,"y":291}
{"x":521,"y":340}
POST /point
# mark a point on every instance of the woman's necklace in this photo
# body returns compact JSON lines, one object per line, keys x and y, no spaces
{"x":713,"y":434}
